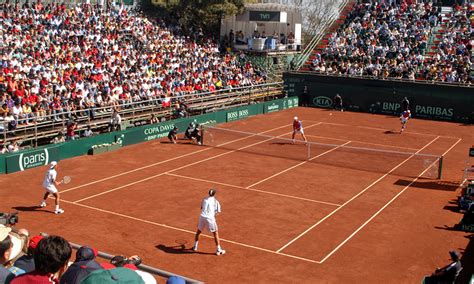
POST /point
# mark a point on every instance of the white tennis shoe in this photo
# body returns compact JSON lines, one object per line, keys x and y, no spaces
{"x":194,"y":248}
{"x":59,"y":211}
{"x":220,"y":252}
{"x":43,"y":204}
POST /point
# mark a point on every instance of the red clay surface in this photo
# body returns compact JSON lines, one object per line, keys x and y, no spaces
{"x":340,"y":217}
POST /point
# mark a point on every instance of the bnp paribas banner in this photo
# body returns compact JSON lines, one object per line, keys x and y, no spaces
{"x":31,"y":159}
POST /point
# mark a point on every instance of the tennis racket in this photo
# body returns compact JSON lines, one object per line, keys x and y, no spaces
{"x":66,"y":180}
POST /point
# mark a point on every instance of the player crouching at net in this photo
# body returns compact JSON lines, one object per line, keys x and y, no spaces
{"x":210,"y":207}
{"x":173,"y":135}
{"x":297,"y":128}
{"x":404,"y":117}
{"x":49,"y":184}
{"x":193,"y":132}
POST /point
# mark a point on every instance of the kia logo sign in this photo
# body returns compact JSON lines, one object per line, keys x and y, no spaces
{"x":322,"y":101}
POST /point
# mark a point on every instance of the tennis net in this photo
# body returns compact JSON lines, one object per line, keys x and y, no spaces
{"x":379,"y":160}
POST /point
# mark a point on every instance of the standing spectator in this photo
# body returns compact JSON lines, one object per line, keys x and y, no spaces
{"x":6,"y":245}
{"x":51,"y":260}
{"x":338,"y":102}
{"x":70,"y":130}
{"x":115,"y":121}
{"x":405,"y":104}
{"x":210,"y":207}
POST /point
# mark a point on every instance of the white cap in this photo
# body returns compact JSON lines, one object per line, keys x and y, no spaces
{"x":4,"y":231}
{"x":296,"y":118}
{"x":53,"y":164}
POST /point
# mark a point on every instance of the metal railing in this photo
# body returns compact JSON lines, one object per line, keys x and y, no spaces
{"x":327,"y":22}
{"x":430,"y":82}
{"x":50,"y":125}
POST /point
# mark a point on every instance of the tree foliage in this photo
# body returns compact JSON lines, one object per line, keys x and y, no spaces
{"x":203,"y":13}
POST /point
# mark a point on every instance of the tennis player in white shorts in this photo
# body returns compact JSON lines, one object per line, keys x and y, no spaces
{"x":49,"y":184}
{"x":210,"y":207}
{"x":297,"y":128}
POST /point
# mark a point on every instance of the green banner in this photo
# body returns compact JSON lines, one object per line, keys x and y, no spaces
{"x":427,"y":100}
{"x":31,"y":159}
{"x":3,"y":164}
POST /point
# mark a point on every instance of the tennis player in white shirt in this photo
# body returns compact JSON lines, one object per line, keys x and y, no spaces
{"x":210,"y":207}
{"x":49,"y":184}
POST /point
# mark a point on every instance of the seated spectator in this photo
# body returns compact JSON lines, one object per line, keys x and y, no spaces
{"x":70,"y":130}
{"x":448,"y":273}
{"x":88,"y":132}
{"x":6,"y":245}
{"x":154,"y":119}
{"x":132,"y":263}
{"x":27,"y":261}
{"x":13,"y":147}
{"x":51,"y":260}
{"x":84,"y":264}
{"x":59,"y":138}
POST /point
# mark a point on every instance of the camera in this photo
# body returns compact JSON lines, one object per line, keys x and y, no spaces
{"x":8,"y":219}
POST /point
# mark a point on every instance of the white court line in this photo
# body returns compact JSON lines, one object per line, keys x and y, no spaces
{"x":385,"y":206}
{"x":256,"y":190}
{"x":362,"y":142}
{"x":297,"y":165}
{"x":383,"y":129}
{"x":190,"y":232}
{"x":165,"y":161}
{"x":355,"y":196}
{"x":185,"y":166}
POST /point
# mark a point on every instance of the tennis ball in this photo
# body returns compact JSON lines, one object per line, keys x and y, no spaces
{"x":330,"y":113}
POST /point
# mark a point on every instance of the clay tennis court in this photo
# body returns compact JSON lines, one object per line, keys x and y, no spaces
{"x":338,"y":217}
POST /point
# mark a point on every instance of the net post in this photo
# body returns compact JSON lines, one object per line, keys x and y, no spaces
{"x":440,"y":166}
{"x":309,"y":151}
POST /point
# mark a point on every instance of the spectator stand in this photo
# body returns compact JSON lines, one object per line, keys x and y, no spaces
{"x":468,"y":173}
{"x":320,"y":40}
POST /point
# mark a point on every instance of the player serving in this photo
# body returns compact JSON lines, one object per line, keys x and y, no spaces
{"x":49,"y":184}
{"x":297,"y":128}
{"x":404,"y":117}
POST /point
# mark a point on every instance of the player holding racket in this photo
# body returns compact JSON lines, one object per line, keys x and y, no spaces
{"x":404,"y":117}
{"x":210,"y":207}
{"x":49,"y":184}
{"x":297,"y":128}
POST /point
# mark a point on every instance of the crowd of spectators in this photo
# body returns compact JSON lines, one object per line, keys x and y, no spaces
{"x":55,"y":60}
{"x":48,"y":259}
{"x":453,"y":59}
{"x":382,"y":41}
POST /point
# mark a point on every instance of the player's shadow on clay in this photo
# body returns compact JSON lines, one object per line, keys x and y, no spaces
{"x":31,"y":208}
{"x":179,"y":249}
{"x":391,"y":132}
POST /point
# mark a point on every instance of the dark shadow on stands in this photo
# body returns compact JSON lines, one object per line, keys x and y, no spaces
{"x":179,"y":249}
{"x":467,"y":261}
{"x":434,"y":185}
{"x":31,"y":208}
{"x":453,"y":208}
{"x":447,"y":228}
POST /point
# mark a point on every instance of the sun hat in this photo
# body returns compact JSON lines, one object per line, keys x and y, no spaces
{"x":53,"y":164}
{"x":4,"y":232}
